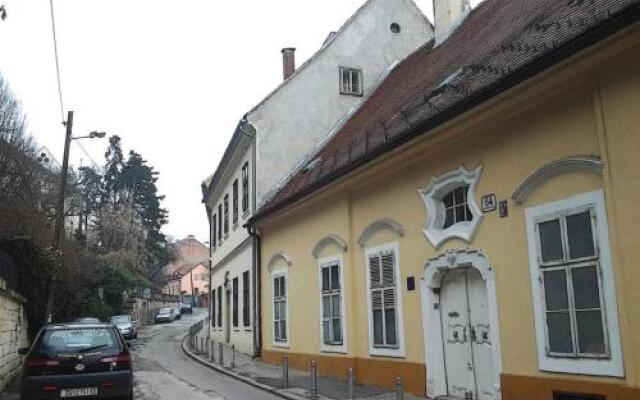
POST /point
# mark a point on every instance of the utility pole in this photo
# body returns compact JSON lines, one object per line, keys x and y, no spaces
{"x":59,"y":227}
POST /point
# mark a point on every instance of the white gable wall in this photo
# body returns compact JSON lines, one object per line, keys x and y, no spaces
{"x":302,"y":112}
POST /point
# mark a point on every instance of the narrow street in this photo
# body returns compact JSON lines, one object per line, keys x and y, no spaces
{"x":163,"y":372}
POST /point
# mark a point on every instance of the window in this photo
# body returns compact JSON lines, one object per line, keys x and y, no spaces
{"x":456,"y":208}
{"x":569,"y":265}
{"x":331,"y":303}
{"x":574,"y":296}
{"x":246,"y":301}
{"x":384,"y":301}
{"x":235,"y":202}
{"x":215,"y":233}
{"x":351,"y":81}
{"x":213,"y":308}
{"x":279,"y":308}
{"x":245,"y":187}
{"x":219,"y":222}
{"x":235,"y":303}
{"x":220,"y":306}
{"x":452,"y":212}
{"x":226,"y":214}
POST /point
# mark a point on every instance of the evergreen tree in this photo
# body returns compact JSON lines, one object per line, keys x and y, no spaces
{"x":113,"y":171}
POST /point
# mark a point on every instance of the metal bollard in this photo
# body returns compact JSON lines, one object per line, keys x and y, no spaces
{"x":233,"y":356}
{"x":285,"y":371}
{"x":212,"y":351}
{"x":399,"y":388}
{"x":221,"y":354}
{"x":201,"y":345}
{"x":314,"y":380}
{"x":352,"y":394}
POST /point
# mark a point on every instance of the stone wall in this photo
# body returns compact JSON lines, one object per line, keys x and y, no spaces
{"x":145,"y":310}
{"x":13,"y":333}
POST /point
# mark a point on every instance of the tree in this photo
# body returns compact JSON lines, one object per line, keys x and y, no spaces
{"x":113,"y":171}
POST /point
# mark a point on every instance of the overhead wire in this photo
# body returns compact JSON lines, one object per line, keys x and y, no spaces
{"x":55,"y":50}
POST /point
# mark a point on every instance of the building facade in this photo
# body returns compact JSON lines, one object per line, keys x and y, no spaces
{"x":482,"y":243}
{"x":272,"y":140}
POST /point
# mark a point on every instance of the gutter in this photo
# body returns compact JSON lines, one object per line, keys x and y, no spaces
{"x":580,"y":43}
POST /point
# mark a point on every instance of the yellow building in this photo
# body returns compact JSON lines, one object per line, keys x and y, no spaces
{"x":472,"y":228}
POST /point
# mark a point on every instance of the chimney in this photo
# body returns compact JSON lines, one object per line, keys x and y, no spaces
{"x":448,"y":14}
{"x":288,"y":62}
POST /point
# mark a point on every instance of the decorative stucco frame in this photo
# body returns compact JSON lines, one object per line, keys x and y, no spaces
{"x":326,"y":241}
{"x":382,"y":224}
{"x":432,"y":196}
{"x":430,"y":284}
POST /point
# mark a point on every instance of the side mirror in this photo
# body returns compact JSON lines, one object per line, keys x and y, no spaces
{"x":23,"y":351}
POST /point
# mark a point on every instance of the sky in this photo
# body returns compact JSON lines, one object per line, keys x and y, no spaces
{"x":171,"y":78}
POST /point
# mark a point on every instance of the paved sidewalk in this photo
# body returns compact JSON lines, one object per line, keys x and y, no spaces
{"x":269,"y":377}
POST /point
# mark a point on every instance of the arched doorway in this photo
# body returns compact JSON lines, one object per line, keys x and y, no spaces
{"x":461,"y":326}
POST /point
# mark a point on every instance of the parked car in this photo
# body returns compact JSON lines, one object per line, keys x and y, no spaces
{"x":77,"y":360}
{"x":176,"y":312}
{"x":127,"y":326}
{"x":187,"y":308}
{"x":87,"y":320}
{"x":165,"y":315}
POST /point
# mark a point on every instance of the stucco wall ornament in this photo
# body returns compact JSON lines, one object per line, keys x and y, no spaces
{"x":327,"y":241}
{"x":432,"y":196}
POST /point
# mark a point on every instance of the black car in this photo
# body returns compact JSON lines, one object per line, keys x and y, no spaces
{"x":186,"y":308}
{"x":77,"y":360}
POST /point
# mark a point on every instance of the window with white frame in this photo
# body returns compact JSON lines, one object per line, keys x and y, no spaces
{"x":384,"y":298}
{"x":451,"y":208}
{"x":331,"y":298}
{"x":279,"y":308}
{"x":569,"y":272}
{"x":574,"y":294}
{"x":351,"y":81}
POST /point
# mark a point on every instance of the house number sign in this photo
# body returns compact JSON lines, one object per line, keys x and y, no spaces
{"x":489,"y":203}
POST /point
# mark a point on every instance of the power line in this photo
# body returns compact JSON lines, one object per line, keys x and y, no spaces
{"x":55,"y":49}
{"x":95,"y":165}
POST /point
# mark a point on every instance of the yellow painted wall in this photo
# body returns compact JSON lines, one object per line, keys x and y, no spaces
{"x":590,"y":106}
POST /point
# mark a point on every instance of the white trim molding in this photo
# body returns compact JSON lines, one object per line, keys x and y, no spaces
{"x":430,"y":284}
{"x":399,"y":351}
{"x":587,"y":164}
{"x":326,"y":348}
{"x":281,"y":256}
{"x":326,"y":241}
{"x":387,"y":224}
{"x":280,"y":272}
{"x":432,"y":196}
{"x":613,"y":365}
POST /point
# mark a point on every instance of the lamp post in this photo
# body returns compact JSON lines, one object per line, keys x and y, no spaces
{"x":60,"y":206}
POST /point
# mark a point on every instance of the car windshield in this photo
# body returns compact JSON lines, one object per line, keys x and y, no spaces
{"x":164,"y":311}
{"x":121,"y":319}
{"x":78,"y":340}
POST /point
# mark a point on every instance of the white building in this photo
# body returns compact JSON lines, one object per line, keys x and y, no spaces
{"x":272,"y":140}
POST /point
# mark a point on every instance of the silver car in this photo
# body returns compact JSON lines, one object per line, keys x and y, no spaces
{"x":127,"y":326}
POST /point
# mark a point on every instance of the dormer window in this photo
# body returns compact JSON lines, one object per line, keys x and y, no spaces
{"x":350,"y":81}
{"x":452,"y":212}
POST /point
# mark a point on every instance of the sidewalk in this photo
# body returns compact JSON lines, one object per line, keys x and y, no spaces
{"x":269,"y":377}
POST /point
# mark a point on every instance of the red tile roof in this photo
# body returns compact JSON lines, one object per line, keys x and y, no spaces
{"x":500,"y":41}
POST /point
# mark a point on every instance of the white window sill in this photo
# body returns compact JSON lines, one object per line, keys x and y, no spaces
{"x":386,"y":352}
{"x":340,"y":349}
{"x":281,"y":345}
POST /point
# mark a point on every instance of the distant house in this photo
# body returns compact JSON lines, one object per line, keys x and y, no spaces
{"x":191,"y":261}
{"x":191,"y":282}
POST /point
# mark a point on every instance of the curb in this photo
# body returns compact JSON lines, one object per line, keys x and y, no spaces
{"x":241,"y":378}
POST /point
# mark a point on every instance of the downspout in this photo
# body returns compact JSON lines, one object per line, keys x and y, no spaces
{"x":255,"y":244}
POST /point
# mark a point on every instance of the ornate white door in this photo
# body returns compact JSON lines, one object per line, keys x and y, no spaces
{"x":466,"y":335}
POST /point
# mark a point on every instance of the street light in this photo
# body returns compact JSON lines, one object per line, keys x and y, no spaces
{"x":60,"y":205}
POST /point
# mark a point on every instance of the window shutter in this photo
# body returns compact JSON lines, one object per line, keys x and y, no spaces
{"x":376,"y":300}
{"x":388,"y":269}
{"x":374,"y":271}
{"x":390,"y":298}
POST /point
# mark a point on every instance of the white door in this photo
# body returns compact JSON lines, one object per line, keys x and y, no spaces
{"x":466,"y":335}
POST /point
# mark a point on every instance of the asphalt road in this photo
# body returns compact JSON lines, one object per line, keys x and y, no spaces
{"x":163,"y":372}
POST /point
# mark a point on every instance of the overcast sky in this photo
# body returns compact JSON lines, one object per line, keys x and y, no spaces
{"x":171,"y":78}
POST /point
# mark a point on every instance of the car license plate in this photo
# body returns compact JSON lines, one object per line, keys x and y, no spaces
{"x":80,"y":392}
